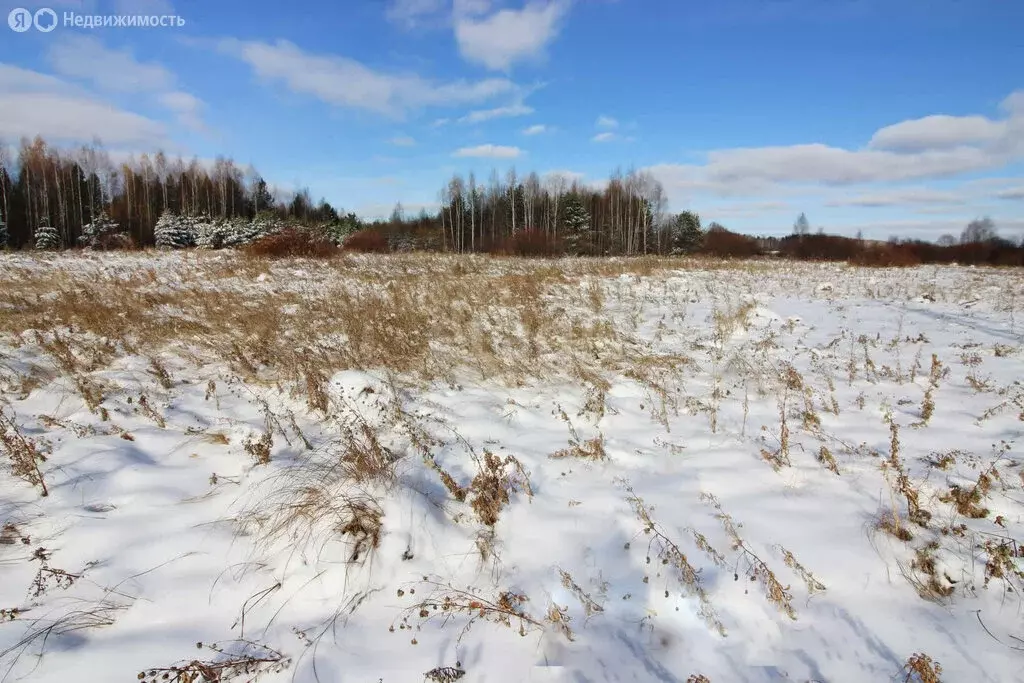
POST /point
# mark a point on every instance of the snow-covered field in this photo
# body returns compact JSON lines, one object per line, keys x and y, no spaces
{"x":414,"y":468}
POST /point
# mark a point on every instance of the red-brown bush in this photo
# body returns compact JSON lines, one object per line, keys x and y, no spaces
{"x":532,"y":242}
{"x":366,"y":241}
{"x":292,"y":242}
{"x":723,"y":243}
{"x":887,"y":256}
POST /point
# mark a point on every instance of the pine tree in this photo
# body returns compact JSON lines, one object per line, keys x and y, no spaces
{"x":687,"y":234}
{"x":4,"y":236}
{"x":102,"y":233}
{"x":171,"y":232}
{"x":576,"y":224}
{"x":47,"y":237}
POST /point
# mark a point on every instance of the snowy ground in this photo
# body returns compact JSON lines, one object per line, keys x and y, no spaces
{"x":372,"y":468}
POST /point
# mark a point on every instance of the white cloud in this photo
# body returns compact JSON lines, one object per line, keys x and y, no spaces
{"x":347,"y":83}
{"x":604,"y":137}
{"x":33,"y":103}
{"x":938,"y":133}
{"x":411,"y":13}
{"x":900,"y":197}
{"x":402,"y":141}
{"x":489,"y":152}
{"x":507,"y":36}
{"x":923,"y":149}
{"x":835,"y":166}
{"x":186,"y":108}
{"x":497,"y":112}
{"x":535,"y":129}
{"x":86,"y":58}
{"x":606,"y":122}
{"x":1011,"y":193}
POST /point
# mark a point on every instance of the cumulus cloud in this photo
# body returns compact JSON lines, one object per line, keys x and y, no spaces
{"x":604,"y":137}
{"x":33,"y":103}
{"x":938,"y":132}
{"x":345,"y":82}
{"x":535,"y":129}
{"x":488,"y":152}
{"x":500,"y":39}
{"x":930,"y":148}
{"x":606,"y":122}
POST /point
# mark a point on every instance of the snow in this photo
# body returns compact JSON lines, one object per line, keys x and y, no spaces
{"x":178,"y":536}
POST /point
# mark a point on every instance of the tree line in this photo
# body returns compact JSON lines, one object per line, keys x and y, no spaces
{"x":52,"y":197}
{"x":44,"y":186}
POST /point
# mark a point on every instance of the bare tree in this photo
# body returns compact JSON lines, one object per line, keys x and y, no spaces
{"x":979,"y":230}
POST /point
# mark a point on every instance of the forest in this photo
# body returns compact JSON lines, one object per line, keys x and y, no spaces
{"x":52,"y":197}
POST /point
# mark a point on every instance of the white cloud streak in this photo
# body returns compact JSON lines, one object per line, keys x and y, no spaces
{"x":488,"y":152}
{"x":344,"y":82}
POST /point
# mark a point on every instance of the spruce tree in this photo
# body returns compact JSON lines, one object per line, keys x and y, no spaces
{"x":171,"y":232}
{"x":208,"y":235}
{"x":102,"y":233}
{"x":576,"y":224}
{"x":47,"y":237}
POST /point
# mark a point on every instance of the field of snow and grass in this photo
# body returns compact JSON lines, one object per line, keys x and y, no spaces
{"x":414,"y":468}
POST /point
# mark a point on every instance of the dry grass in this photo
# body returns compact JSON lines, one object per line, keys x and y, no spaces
{"x":24,"y":454}
{"x":757,"y":569}
{"x":921,"y":668}
{"x":231,"y":661}
{"x":445,"y":602}
{"x":670,"y":553}
{"x":495,"y":481}
{"x":899,"y":483}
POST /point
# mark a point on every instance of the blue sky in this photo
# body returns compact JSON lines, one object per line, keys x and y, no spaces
{"x":895,"y":117}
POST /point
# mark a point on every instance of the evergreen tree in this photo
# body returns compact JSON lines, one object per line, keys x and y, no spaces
{"x":261,"y":197}
{"x":802,"y":226}
{"x":687,"y":234}
{"x":103,"y":233}
{"x":4,"y":236}
{"x":576,"y":225}
{"x":47,"y":237}
{"x":171,"y":232}
{"x":208,"y":235}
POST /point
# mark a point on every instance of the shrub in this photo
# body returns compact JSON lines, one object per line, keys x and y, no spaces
{"x":532,"y":242}
{"x":367,"y":241}
{"x":292,"y":242}
{"x":722,"y":242}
